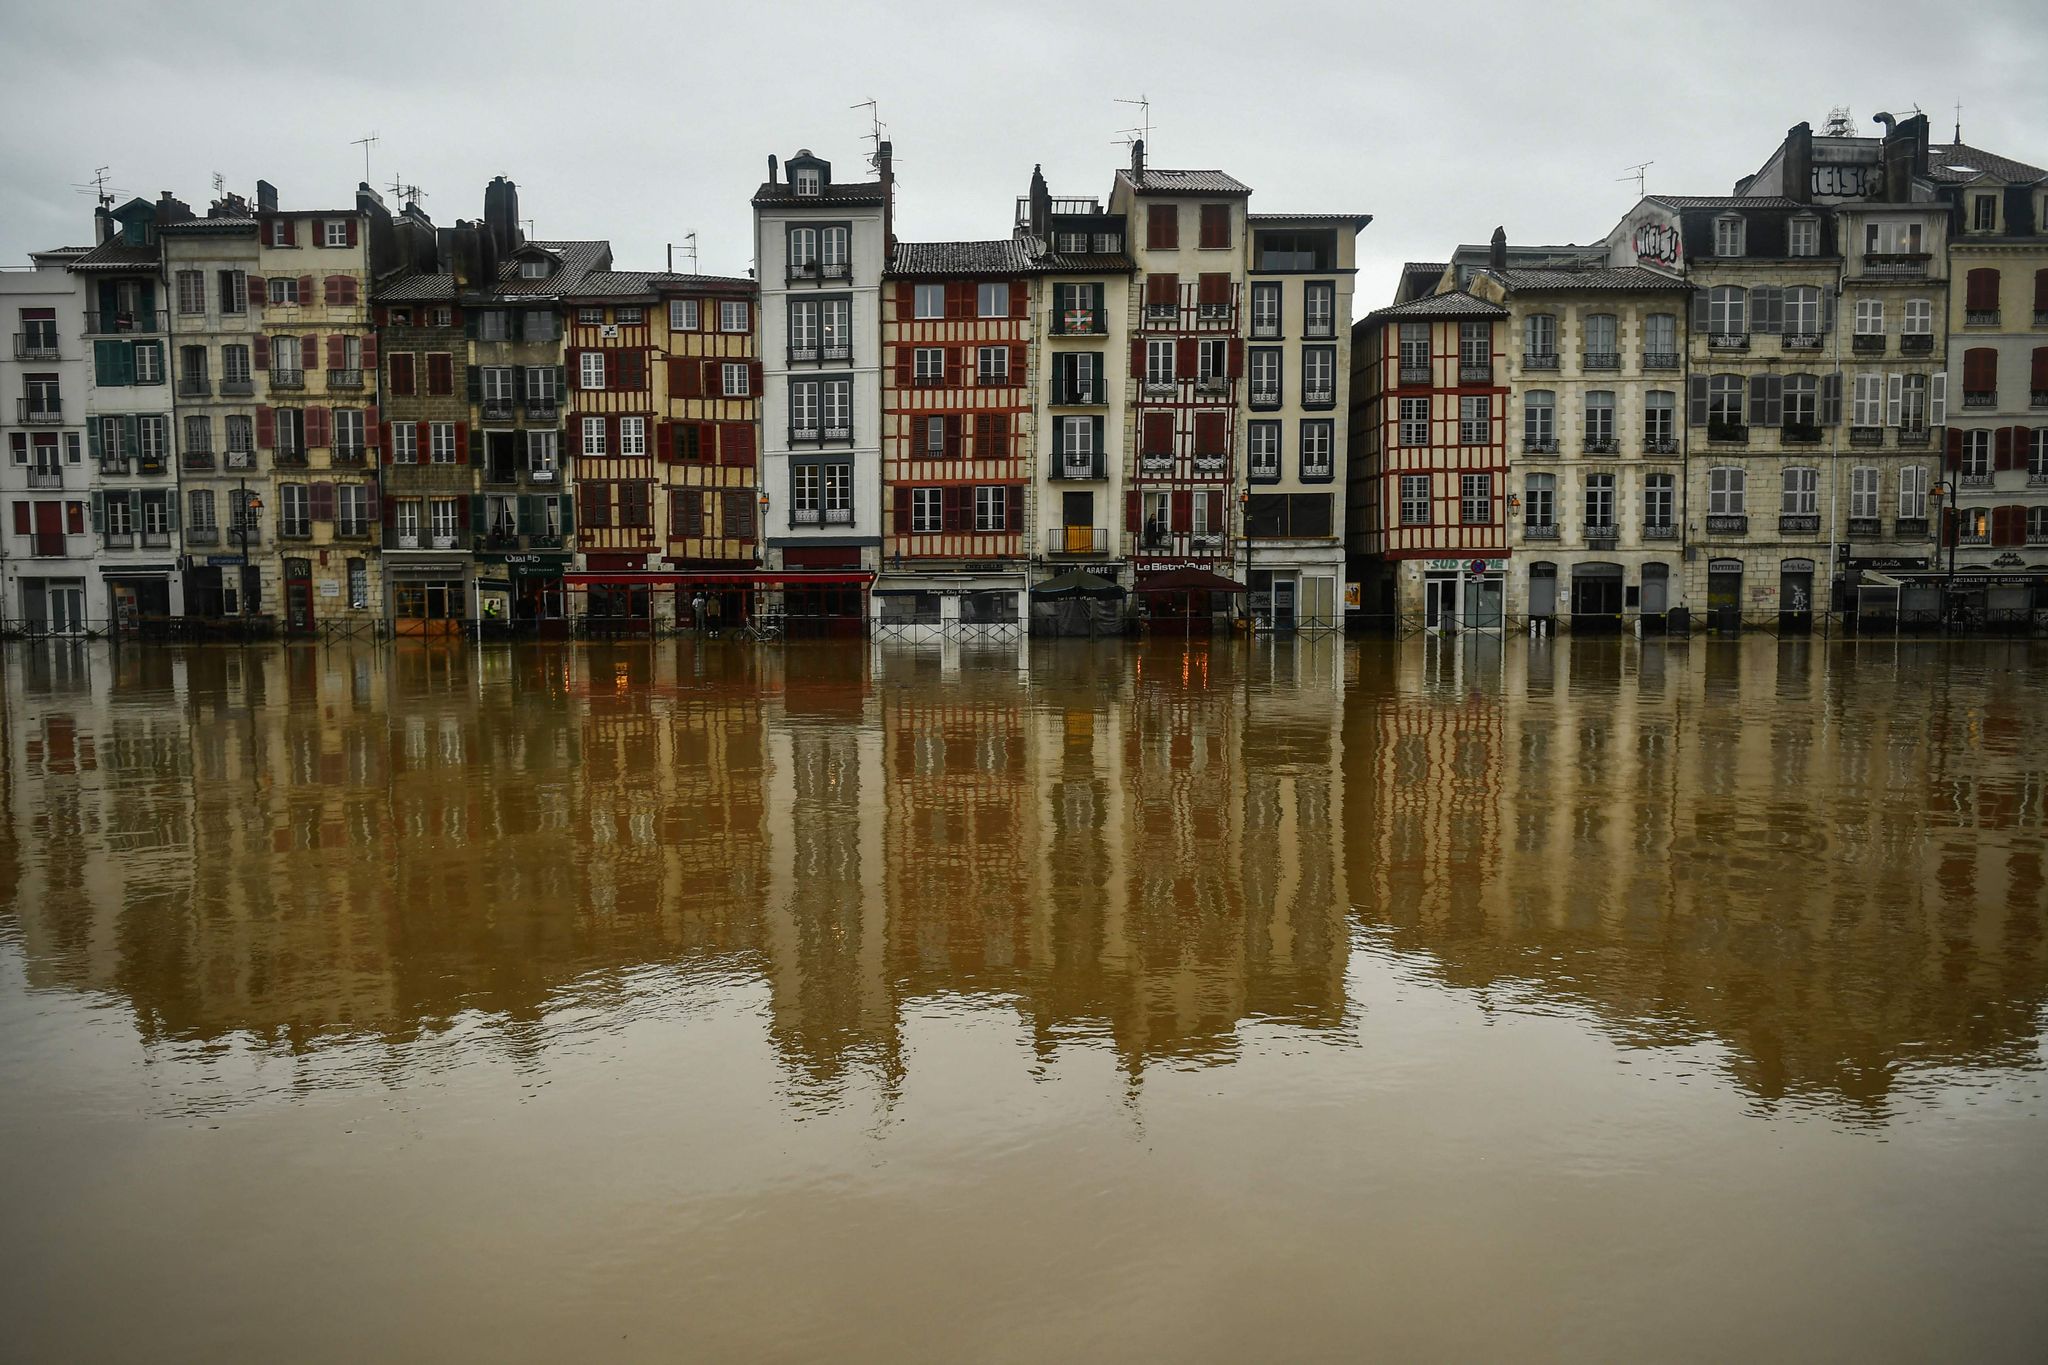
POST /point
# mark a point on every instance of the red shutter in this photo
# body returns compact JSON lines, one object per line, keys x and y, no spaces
{"x":334,"y":352}
{"x":1019,"y":358}
{"x":1162,"y":226}
{"x":370,"y":353}
{"x":952,"y":379}
{"x":1183,"y":509}
{"x":959,"y":299}
{"x":736,"y":444}
{"x":1955,"y":447}
{"x":261,"y":350}
{"x":316,"y":233}
{"x":351,"y":232}
{"x":664,"y":443}
{"x":291,"y":232}
{"x":1184,"y":358}
{"x":1013,"y":507}
{"x":330,"y":292}
{"x":1157,"y":434}
{"x":903,"y":370}
{"x":266,"y":428}
{"x":462,"y":443}
{"x":462,"y":513}
{"x":1215,"y":225}
{"x":754,"y":378}
{"x":1162,"y":291}
{"x":714,"y":382}
{"x":372,"y":432}
{"x":390,"y":507}
{"x":1212,"y":287}
{"x":1210,"y":438}
{"x":2040,"y":288}
{"x":952,"y":429}
{"x":906,"y":300}
{"x":1980,"y":293}
{"x":423,"y":441}
{"x":389,"y":446}
{"x":1215,"y":509}
{"x":1020,"y":299}
{"x":305,"y":290}
{"x":322,"y":499}
{"x":1235,"y":363}
{"x":370,"y":500}
{"x":309,"y":352}
{"x":348,"y":289}
{"x":1138,"y":358}
{"x":1131,"y":512}
{"x":959,"y":509}
{"x":2040,"y":370}
{"x":902,"y":501}
{"x":21,"y":518}
{"x":257,"y":298}
{"x":686,"y":377}
{"x":2001,"y":448}
{"x":317,"y":428}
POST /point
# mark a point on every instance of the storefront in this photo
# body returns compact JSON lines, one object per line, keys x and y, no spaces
{"x":631,"y":590}
{"x":1187,"y":600}
{"x":429,"y":597}
{"x":139,"y":599}
{"x":1596,"y":599}
{"x":522,"y":593}
{"x":224,"y":589}
{"x":982,"y":601}
{"x":1724,"y":595}
{"x":1463,"y":594}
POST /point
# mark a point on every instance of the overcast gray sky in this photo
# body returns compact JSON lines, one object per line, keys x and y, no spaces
{"x":640,"y":122}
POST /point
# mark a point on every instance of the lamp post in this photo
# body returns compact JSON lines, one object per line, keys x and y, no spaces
{"x":249,"y":506}
{"x":1944,"y":492}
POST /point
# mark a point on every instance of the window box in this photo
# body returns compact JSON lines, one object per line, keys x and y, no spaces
{"x":1660,"y":360}
{"x":798,"y":354}
{"x":1800,"y":433}
{"x":1206,"y":540}
{"x":1733,"y":433}
{"x":1602,"y":360}
{"x":835,"y":433}
{"x":1602,"y":445}
{"x":1475,"y":374}
{"x":1319,"y":398}
{"x":1798,"y":523}
{"x":1728,"y":341}
{"x":1161,"y":312}
{"x":805,"y":516}
{"x":834,"y":270}
{"x":1539,"y":360}
{"x":1981,"y":398}
{"x":1980,"y":317}
{"x":1265,"y":398}
{"x":1895,"y":265}
{"x":344,"y":379}
{"x":1867,"y":343}
{"x":798,"y":435}
{"x":1545,"y":532}
{"x":1728,"y":524}
{"x":839,"y":516}
{"x":1081,"y":322}
{"x":1968,"y":539}
{"x":1155,"y":464}
{"x":1660,"y":531}
{"x":1539,"y":446}
{"x":1414,"y":374}
{"x":1975,"y":480}
{"x":1208,"y":464}
{"x":1917,"y":343}
{"x":1801,"y":341}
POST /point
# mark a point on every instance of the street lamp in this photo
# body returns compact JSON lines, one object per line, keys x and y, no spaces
{"x":1943,"y":492}
{"x":1244,"y":529}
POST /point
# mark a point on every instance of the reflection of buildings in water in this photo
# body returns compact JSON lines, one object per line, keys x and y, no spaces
{"x":1742,"y":840}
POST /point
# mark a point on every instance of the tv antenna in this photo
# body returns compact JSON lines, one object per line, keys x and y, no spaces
{"x":1839,"y":123}
{"x":1959,"y":122}
{"x":875,"y":130}
{"x":527,"y":223}
{"x":366,"y":143}
{"x":220,"y":185}
{"x":1635,"y":173}
{"x":1144,"y":128}
{"x":409,"y":194}
{"x":98,"y":186}
{"x":689,"y":248}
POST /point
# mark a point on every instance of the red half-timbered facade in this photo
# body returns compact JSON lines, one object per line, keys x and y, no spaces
{"x":608,"y":361}
{"x":707,"y":382}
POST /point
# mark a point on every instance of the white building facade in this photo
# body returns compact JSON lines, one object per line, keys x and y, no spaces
{"x":48,"y":553}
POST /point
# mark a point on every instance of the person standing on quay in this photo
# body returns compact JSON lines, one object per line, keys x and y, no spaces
{"x":697,"y":613}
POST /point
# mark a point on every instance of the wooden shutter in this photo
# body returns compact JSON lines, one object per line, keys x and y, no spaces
{"x":736,"y":444}
{"x":260,"y":349}
{"x":1185,"y":353}
{"x":685,"y":378}
{"x":258,"y":293}
{"x":309,"y":352}
{"x":952,"y":428}
{"x":1212,"y":287}
{"x":1162,"y":291}
{"x":1980,"y":291}
{"x":1696,"y":400}
{"x":266,"y":428}
{"x":714,"y":381}
{"x":305,"y":291}
{"x":2039,"y":380}
{"x":334,"y":353}
{"x":1764,"y":391}
{"x":1980,"y":368}
{"x":404,"y":375}
{"x":904,"y":357}
{"x":372,"y":433}
{"x":1131,"y":512}
{"x":462,"y":443}
{"x":319,"y":428}
{"x":473,"y":382}
{"x":1162,"y":227}
{"x":1955,"y":447}
{"x":664,"y":442}
{"x":1830,"y":399}
{"x":1019,"y":355}
{"x":1020,"y":299}
{"x":2001,"y":448}
{"x":959,"y":299}
{"x":1215,"y":225}
{"x":1699,"y":311}
{"x":1138,"y":358}
{"x":1183,"y":509}
{"x":906,"y":300}
{"x":351,"y":232}
{"x":1158,"y":434}
{"x":902,"y":501}
{"x":1210,"y":433}
{"x":1215,"y":497}
{"x":322,"y":499}
{"x":693,"y":511}
{"x":952,"y":379}
{"x":1013,"y":507}
{"x":1234,"y":359}
{"x":754,"y":381}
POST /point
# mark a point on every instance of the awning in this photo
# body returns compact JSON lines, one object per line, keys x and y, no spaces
{"x":1187,"y":580}
{"x":714,"y":577}
{"x":1077,"y":583}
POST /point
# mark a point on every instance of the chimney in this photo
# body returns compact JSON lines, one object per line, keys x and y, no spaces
{"x":501,"y":214}
{"x":1137,"y":159}
{"x":1041,"y":205}
{"x":1905,"y":155}
{"x":266,"y":197}
{"x":883,"y":154}
{"x":1497,"y":251}
{"x":102,"y":224}
{"x":1798,"y":172}
{"x":772,"y":166}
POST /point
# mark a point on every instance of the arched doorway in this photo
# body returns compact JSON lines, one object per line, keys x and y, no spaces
{"x":1596,"y":599}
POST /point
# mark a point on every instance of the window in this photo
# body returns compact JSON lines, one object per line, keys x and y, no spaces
{"x":1215,"y":227}
{"x":1869,"y":317}
{"x":1913,"y":491}
{"x":989,"y":509}
{"x":1599,"y":502}
{"x":992,"y":364}
{"x":1726,"y":486}
{"x":441,"y":521}
{"x":1475,"y":419}
{"x":590,"y":370}
{"x":120,"y":517}
{"x":1414,"y":422}
{"x":928,"y":364}
{"x":928,"y":301}
{"x":737,"y":379}
{"x":348,"y":431}
{"x":1162,"y":227}
{"x":289,"y":431}
{"x":838,"y":409}
{"x":1159,"y":362}
{"x":1319,"y":309}
{"x":1265,"y":310}
{"x":280,"y":233}
{"x":199,"y":513}
{"x":1265,"y":376}
{"x":927,"y":510}
{"x":1863,"y":489}
{"x":1603,"y":346}
{"x":1660,"y":339}
{"x":541,"y":450}
{"x":1318,"y":376}
{"x":1977,"y":454}
{"x":1475,"y":345}
{"x":1727,"y":310}
{"x":633,"y":436}
{"x":1659,"y":500}
{"x":1475,"y":499}
{"x":1805,"y":237}
{"x":335,"y":234}
{"x":683,"y":315}
{"x":1910,"y":413}
{"x":1415,"y":499}
{"x":2037,"y":454}
{"x":1866,"y":407}
{"x":1600,"y":420}
{"x":351,"y":509}
{"x":1919,"y":318}
{"x":1212,"y":358}
{"x":295,"y":511}
{"x":933,"y":444}
{"x":1262,"y":442}
{"x":593,"y":436}
{"x":837,"y":249}
{"x":234,"y":292}
{"x":149,"y":363}
{"x":1415,"y":346}
{"x":403,"y":380}
{"x":198,"y":435}
{"x":282,"y":290}
{"x":1539,"y":340}
{"x":1539,"y":501}
{"x":1724,"y":400}
{"x":1318,"y":444}
{"x":497,"y":383}
{"x":494,"y":325}
{"x":1728,"y":236}
{"x":1801,"y":495}
{"x":1983,"y":213}
{"x":992,"y":301}
{"x":839,"y":492}
{"x":1539,"y":420}
{"x":803,"y":410}
{"x":1803,"y":311}
{"x":191,"y":292}
{"x":809,"y":182}
{"x":1660,"y":421}
{"x":1802,"y":403}
{"x":440,"y":372}
{"x":441,"y":442}
{"x":1071,"y":243}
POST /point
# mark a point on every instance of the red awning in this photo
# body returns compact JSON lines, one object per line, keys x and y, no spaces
{"x":684,"y":578}
{"x":1187,"y":580}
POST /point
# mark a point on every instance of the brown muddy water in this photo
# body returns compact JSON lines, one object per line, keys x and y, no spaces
{"x":1314,"y":1001}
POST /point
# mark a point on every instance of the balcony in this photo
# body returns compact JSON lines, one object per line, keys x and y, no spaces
{"x":348,"y":454}
{"x":1660,"y":360}
{"x":144,"y":323}
{"x":286,"y":457}
{"x":195,"y":386}
{"x":202,"y":535}
{"x":39,"y":412}
{"x":1909,"y":528}
{"x":1727,"y":524}
{"x":1660,"y":445}
{"x":802,"y":270}
{"x":1727,"y":341}
{"x":1980,"y":317}
{"x":1603,"y":360}
{"x":838,"y":350}
{"x":244,"y":387}
{"x":1867,"y":343}
{"x":295,"y":530}
{"x":408,"y":542}
{"x":1414,"y":374}
{"x":48,"y":545}
{"x":1211,"y":462}
{"x":834,"y":270}
{"x":1917,"y":343}
{"x":1602,"y":445}
{"x":1980,"y":398}
{"x":803,"y":435}
{"x":1078,"y":465}
{"x":46,"y":478}
{"x":799,"y":355}
{"x":1323,"y":397}
{"x":443,"y":542}
{"x":1265,"y":329}
{"x":1539,"y":445}
{"x":345,"y":379}
{"x":2041,"y":317}
{"x":1601,"y":536}
{"x":1214,"y":384}
{"x":1799,"y":341}
{"x":1798,"y":523}
{"x":1262,"y":471}
{"x":1544,"y":531}
{"x":287,"y":379}
{"x":837,"y":432}
{"x":839,"y":516}
{"x":1866,"y":438}
{"x":544,"y":409}
{"x":542,"y":476}
{"x":156,"y":540}
{"x":1974,"y":538}
{"x":805,"y":516}
{"x":35,"y":348}
{"x":197,"y":459}
{"x":1076,"y":540}
{"x":496,"y":409}
{"x":1078,"y":396}
{"x":1660,"y":530}
{"x":1155,"y":462}
{"x":1475,"y":374}
{"x":1161,"y":312}
{"x":1909,"y":438}
{"x":1983,"y":480}
{"x":1265,"y":397}
{"x":1865,"y":527}
{"x":1728,"y":433}
{"x":245,"y":535}
{"x":1896,"y":265}
{"x":1539,"y":360}
{"x":1080,"y":322}
{"x":1799,"y":433}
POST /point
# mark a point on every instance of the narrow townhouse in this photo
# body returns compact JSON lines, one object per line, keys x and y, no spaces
{"x":611,"y":422}
{"x":825,"y":241}
{"x":1427,"y":481}
{"x":49,"y":555}
{"x":957,"y":437}
{"x":707,"y":396}
{"x":128,"y":411}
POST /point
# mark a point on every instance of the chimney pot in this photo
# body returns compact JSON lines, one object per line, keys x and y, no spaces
{"x":1497,"y":251}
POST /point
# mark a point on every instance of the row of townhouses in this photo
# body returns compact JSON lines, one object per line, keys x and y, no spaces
{"x":1821,"y":397}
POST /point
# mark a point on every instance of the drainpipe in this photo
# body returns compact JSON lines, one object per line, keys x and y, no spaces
{"x":1834,"y":459}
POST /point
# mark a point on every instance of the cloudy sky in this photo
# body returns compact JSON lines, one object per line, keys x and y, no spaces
{"x":642,"y":122}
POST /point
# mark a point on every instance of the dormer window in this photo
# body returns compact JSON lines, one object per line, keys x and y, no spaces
{"x":533,"y":270}
{"x":809,"y":182}
{"x":1983,"y":213}
{"x":1728,"y":236}
{"x":1071,"y":243}
{"x":1805,"y":237}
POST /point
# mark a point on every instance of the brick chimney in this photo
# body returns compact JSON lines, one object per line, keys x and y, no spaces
{"x":1497,"y":250}
{"x":885,"y":168}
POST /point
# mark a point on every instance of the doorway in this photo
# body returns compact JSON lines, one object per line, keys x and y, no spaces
{"x":1440,"y":605}
{"x":1724,"y":595}
{"x":1596,"y":599}
{"x":1283,"y":604}
{"x":298,"y":596}
{"x":1656,"y":596}
{"x":1795,"y":596}
{"x":1077,"y":522}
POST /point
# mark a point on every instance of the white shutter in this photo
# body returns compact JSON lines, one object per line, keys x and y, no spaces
{"x":1937,"y":406}
{"x":1894,"y":398}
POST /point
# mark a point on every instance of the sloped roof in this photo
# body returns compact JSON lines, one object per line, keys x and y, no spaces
{"x":1726,"y":201}
{"x":578,"y":259}
{"x":613,"y":284}
{"x":1957,"y":163}
{"x":417,"y":287}
{"x":1001,"y":256}
{"x":1619,"y":279}
{"x":202,"y":226}
{"x":714,"y":283}
{"x":1149,"y":181}
{"x":855,"y":192}
{"x":1455,"y":304}
{"x":1049,"y":262}
{"x":1359,"y":218}
{"x":115,"y":254}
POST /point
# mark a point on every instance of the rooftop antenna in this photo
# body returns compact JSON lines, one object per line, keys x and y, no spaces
{"x":527,"y":223}
{"x":1839,"y":123}
{"x":1959,"y":121}
{"x":98,"y":185}
{"x":875,"y":131}
{"x":220,"y":185}
{"x":366,"y":143}
{"x":409,"y":194}
{"x":689,"y":249}
{"x":1635,"y":173}
{"x":1144,"y":128}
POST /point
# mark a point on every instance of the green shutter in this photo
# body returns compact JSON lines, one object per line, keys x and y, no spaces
{"x":99,"y":511}
{"x":469,"y":324}
{"x":1098,"y":456}
{"x":476,"y":384}
{"x":92,"y":436}
{"x":476,"y":515}
{"x":568,"y":506}
{"x":135,"y":512}
{"x":106,"y":362}
{"x":171,"y":512}
{"x":526,"y":523}
{"x":515,"y":324}
{"x":131,"y":439}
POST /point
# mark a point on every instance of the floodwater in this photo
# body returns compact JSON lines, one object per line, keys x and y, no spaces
{"x":1310,"y":1001}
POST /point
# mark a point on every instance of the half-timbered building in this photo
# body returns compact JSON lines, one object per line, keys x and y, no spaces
{"x":957,"y":439}
{"x":611,"y":422}
{"x":707,"y":392}
{"x":1428,"y":469}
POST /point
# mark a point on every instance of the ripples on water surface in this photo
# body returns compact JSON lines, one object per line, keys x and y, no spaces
{"x":1172,"y":1002}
